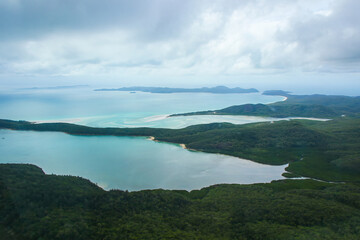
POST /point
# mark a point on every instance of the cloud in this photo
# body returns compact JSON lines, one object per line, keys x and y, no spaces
{"x":328,"y":39}
{"x":160,"y":38}
{"x":32,"y":19}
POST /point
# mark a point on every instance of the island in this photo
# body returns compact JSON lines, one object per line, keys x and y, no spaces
{"x":218,"y":89}
{"x":56,"y":87}
{"x":276,"y":92}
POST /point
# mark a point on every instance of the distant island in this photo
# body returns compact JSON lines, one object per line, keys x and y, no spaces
{"x":276,"y":93}
{"x":55,"y":88}
{"x":218,"y":89}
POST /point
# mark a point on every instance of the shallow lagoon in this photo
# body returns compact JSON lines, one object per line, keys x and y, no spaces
{"x":122,"y":109}
{"x":129,"y":163}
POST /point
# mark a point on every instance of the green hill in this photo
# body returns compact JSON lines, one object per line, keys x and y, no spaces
{"x":315,"y":106}
{"x":38,"y":206}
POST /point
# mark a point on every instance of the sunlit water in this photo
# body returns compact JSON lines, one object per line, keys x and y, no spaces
{"x":126,"y":162}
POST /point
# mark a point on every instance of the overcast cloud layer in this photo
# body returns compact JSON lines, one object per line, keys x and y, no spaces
{"x":162,"y":41}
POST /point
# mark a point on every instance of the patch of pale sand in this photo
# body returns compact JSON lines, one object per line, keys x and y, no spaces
{"x":182,"y":145}
{"x":71,"y":120}
{"x":308,"y":118}
{"x":155,"y":118}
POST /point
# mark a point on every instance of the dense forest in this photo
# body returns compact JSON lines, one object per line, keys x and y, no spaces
{"x":38,"y":206}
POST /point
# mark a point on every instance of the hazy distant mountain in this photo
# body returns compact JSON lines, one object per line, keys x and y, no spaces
{"x":56,"y":87}
{"x":276,"y":92}
{"x":218,"y":89}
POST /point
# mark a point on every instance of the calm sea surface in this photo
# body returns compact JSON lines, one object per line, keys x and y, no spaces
{"x":131,"y":163}
{"x":123,"y":109}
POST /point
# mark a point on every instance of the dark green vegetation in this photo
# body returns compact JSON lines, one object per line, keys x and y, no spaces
{"x":38,"y":206}
{"x":324,"y":150}
{"x":316,"y":106}
{"x":218,"y":89}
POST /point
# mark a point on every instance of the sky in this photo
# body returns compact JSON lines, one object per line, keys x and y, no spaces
{"x":301,"y":46}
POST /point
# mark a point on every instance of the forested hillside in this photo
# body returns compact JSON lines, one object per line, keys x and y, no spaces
{"x":315,"y":106}
{"x":38,"y":206}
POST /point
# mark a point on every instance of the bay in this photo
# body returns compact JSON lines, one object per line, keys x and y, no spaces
{"x":129,"y":163}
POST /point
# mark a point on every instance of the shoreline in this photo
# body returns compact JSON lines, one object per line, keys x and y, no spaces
{"x":151,"y":138}
{"x":160,"y":135}
{"x":70,"y":120}
{"x":182,"y":145}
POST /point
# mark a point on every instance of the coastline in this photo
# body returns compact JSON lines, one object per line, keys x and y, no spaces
{"x":70,"y":120}
{"x":183,"y":146}
{"x":176,"y":138}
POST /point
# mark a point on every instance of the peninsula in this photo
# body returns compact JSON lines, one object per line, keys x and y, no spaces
{"x":316,"y":106}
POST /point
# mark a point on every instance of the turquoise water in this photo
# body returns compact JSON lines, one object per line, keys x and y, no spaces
{"x":131,"y":163}
{"x":126,"y":162}
{"x":122,"y":109}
